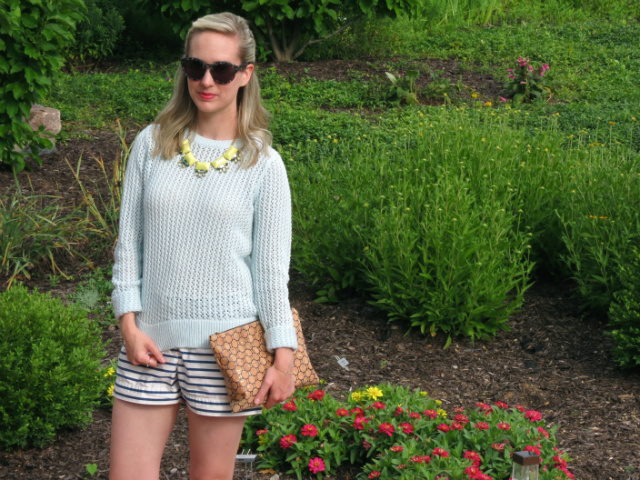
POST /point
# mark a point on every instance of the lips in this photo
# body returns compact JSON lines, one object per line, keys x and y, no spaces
{"x":206,"y":96}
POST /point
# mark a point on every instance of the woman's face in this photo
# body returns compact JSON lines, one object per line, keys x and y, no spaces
{"x":214,"y":100}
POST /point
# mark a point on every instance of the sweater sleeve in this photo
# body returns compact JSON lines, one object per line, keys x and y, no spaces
{"x":271,"y":255}
{"x":127,"y":268}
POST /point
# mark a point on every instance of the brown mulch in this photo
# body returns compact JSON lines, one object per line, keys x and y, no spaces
{"x":552,"y":360}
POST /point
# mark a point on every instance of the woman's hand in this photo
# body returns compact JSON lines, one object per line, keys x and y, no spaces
{"x":279,"y":381}
{"x":140,"y":348}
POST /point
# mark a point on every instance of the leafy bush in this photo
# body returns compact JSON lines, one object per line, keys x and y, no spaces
{"x":624,"y":315}
{"x":525,"y":83}
{"x":98,"y":34}
{"x":394,"y":433}
{"x":49,"y":367}
{"x":33,"y":38}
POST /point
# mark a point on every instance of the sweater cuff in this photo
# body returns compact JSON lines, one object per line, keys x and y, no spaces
{"x":125,"y":301}
{"x":280,"y":337}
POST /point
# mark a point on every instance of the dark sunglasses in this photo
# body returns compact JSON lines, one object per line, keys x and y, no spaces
{"x":221,"y":72}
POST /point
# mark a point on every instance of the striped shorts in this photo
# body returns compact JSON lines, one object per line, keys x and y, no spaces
{"x":190,"y":375}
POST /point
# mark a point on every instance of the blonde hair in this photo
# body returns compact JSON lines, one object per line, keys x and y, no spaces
{"x":180,"y":113}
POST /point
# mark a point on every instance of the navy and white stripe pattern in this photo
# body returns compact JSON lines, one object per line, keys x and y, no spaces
{"x":191,"y":374}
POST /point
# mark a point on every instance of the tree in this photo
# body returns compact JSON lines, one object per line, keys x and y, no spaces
{"x":287,"y":27}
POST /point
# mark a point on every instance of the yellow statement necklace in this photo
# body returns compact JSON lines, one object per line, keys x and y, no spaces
{"x":221,"y":164}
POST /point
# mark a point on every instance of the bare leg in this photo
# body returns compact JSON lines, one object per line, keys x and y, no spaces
{"x":138,"y":436}
{"x":214,"y":443}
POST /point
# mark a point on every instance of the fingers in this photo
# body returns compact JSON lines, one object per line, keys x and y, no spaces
{"x":155,"y":355}
{"x":266,"y":385}
{"x":280,"y":387}
{"x":141,"y":350}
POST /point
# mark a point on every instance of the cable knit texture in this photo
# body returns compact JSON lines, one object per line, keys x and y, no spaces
{"x":197,"y":256}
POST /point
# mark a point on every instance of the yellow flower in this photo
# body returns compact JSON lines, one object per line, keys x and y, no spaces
{"x":474,"y":95}
{"x":593,"y":217}
{"x":110,"y":371}
{"x":335,"y":140}
{"x":483,"y":139}
{"x":442,"y":413}
{"x":357,"y":396}
{"x":438,"y":402}
{"x":110,"y":390}
{"x":487,"y":104}
{"x":424,"y":394}
{"x":612,"y":123}
{"x":373,"y":393}
{"x":603,"y":218}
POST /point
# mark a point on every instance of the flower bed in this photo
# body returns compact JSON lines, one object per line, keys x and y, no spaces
{"x":392,"y":432}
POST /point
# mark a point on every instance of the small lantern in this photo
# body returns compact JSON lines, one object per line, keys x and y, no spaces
{"x":525,"y":466}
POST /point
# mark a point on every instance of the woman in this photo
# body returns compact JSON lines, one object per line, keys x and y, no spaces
{"x":204,"y":246}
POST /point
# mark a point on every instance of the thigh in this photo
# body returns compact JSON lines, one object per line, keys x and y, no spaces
{"x":138,"y":437}
{"x":214,"y":444}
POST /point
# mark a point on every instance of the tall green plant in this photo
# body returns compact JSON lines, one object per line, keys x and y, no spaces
{"x":34,"y":36}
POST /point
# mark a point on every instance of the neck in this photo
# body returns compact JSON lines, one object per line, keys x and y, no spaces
{"x":218,"y":127}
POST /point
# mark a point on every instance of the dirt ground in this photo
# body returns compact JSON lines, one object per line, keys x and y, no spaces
{"x":551,"y":360}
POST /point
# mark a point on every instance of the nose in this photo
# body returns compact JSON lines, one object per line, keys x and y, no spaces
{"x":207,"y":80}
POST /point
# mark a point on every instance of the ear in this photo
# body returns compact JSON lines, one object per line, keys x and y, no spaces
{"x":246,"y":74}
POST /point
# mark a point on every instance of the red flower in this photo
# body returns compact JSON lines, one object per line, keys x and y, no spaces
{"x":533,"y":449}
{"x":342,"y":412}
{"x":566,"y":472}
{"x":420,"y":459}
{"x":474,"y":457}
{"x":358,"y":411}
{"x":484,"y":407}
{"x":415,"y":415}
{"x":456,"y":426}
{"x":310,"y":430}
{"x":287,"y":441}
{"x":386,"y":428}
{"x":316,"y":465}
{"x":502,"y":405}
{"x":461,"y":418}
{"x":430,"y":413}
{"x":472,"y":472}
{"x":458,"y":410}
{"x":360,"y":422}
{"x":399,"y":411}
{"x":482,"y":426}
{"x":533,"y":415}
{"x":406,"y":428}
{"x":504,"y":426}
{"x":402,"y":466}
{"x":543,"y":432}
{"x":397,"y":448}
{"x":439,"y":452}
{"x":261,"y":432}
{"x":366,"y":445}
{"x":374,"y":474}
{"x":443,"y":427}
{"x":498,"y":446}
{"x":317,"y":395}
{"x":559,"y":461}
{"x":520,"y":408}
{"x":290,"y":406}
{"x":379,"y":406}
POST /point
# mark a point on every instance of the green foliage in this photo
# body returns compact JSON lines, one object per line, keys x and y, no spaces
{"x":33,"y":230}
{"x":391,"y":432}
{"x":289,"y":27}
{"x":439,"y":87}
{"x":49,"y":367}
{"x":33,"y":38}
{"x":403,"y":87}
{"x":624,"y":314}
{"x":93,"y":293}
{"x":98,"y":34}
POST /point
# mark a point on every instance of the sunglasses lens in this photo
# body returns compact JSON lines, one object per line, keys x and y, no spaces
{"x":223,"y":72}
{"x":194,"y":68}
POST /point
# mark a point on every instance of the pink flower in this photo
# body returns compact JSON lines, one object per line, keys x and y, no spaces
{"x":474,"y":457}
{"x":533,"y":449}
{"x":290,"y":406}
{"x":379,"y":406}
{"x":503,"y":100}
{"x":366,"y":445}
{"x":443,"y":427}
{"x":498,"y":446}
{"x":415,"y":415}
{"x":559,"y":461}
{"x":504,"y":426}
{"x":458,"y":410}
{"x":399,"y":411}
{"x":430,"y":413}
{"x":543,"y":432}
{"x":461,"y":418}
{"x":287,"y":441}
{"x":533,"y":415}
{"x":472,"y":472}
{"x":509,"y":69}
{"x":317,"y":395}
{"x":360,"y":422}
{"x":456,"y":426}
{"x":342,"y":412}
{"x":520,"y":408}
{"x":406,"y":428}
{"x":261,"y":432}
{"x":386,"y":428}
{"x":316,"y":465}
{"x":358,"y":411}
{"x":530,"y":68}
{"x":501,"y":404}
{"x":482,"y":426}
{"x":397,"y":448}
{"x":420,"y":459}
{"x":402,"y":466}
{"x":310,"y":430}
{"x":523,"y":83}
{"x":374,"y":474}
{"x":440,"y":452}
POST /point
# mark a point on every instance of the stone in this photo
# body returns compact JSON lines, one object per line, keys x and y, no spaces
{"x":46,"y":116}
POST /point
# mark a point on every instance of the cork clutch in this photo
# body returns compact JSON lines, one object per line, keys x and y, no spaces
{"x":243,"y":360}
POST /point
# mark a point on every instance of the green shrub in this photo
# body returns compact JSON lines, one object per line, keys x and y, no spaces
{"x":97,"y":35}
{"x":49,"y":367}
{"x":624,"y":315}
{"x":33,"y":37}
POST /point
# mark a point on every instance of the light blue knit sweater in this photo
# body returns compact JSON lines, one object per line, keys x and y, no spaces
{"x":197,"y":256}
